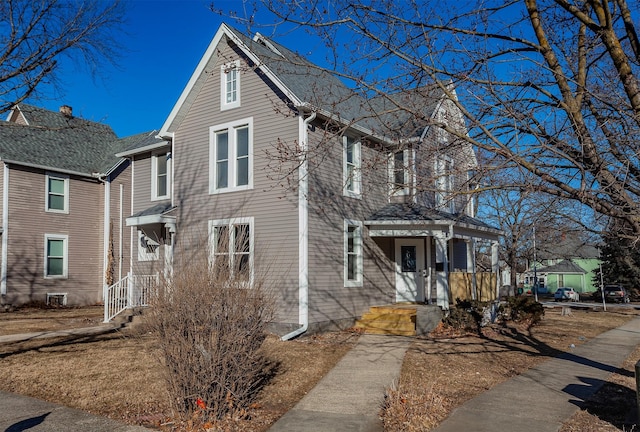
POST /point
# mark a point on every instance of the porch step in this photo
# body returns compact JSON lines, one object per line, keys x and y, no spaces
{"x":389,"y":320}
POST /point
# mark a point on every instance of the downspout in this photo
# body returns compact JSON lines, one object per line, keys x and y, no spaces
{"x":120,"y":228}
{"x":303,"y":229}
{"x":5,"y":230}
{"x":105,"y":231}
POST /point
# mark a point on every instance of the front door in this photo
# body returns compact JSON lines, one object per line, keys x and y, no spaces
{"x":409,"y":270}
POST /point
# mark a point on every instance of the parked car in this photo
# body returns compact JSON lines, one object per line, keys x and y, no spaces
{"x":565,"y":293}
{"x":616,"y":293}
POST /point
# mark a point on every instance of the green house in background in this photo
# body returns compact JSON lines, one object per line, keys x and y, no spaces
{"x":577,"y":274}
{"x":565,"y":262}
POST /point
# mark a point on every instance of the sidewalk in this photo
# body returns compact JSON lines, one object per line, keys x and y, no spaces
{"x":541,"y":399}
{"x":349,"y":397}
{"x":82,"y":331}
{"x":22,"y":413}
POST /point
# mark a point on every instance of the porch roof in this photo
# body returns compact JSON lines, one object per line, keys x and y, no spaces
{"x":565,"y":266}
{"x":152,"y":215}
{"x":410,"y":219}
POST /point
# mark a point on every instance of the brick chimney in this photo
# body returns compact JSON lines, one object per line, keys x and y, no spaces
{"x":66,"y":110}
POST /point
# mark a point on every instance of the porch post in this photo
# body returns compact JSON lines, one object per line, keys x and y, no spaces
{"x":495,"y":266}
{"x":471,"y":265}
{"x":442,"y":270}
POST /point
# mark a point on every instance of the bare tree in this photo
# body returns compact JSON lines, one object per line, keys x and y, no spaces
{"x":36,"y":34}
{"x":548,"y":86}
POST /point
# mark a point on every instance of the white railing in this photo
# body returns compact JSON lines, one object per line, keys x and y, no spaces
{"x":130,"y":291}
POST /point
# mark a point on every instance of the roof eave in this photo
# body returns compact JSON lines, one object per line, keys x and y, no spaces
{"x":144,"y":149}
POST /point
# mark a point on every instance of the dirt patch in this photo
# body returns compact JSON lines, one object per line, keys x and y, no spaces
{"x":445,"y":370}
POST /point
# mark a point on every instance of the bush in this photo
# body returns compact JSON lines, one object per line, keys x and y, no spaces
{"x":523,"y":309}
{"x":466,"y":315}
{"x":211,"y":325}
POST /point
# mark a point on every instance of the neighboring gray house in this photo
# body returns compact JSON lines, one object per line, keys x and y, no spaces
{"x":63,"y":195}
{"x":347,"y":208}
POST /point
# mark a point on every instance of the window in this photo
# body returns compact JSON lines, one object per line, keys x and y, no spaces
{"x":55,"y":256}
{"x":160,"y":175}
{"x":399,"y":173}
{"x":57,"y":193}
{"x":352,"y":167}
{"x":231,"y":243}
{"x":444,"y":184}
{"x":231,"y":157}
{"x":148,"y":248}
{"x":230,"y":85}
{"x":352,"y":253}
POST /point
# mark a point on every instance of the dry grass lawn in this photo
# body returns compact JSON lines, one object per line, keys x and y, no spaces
{"x":444,"y":370}
{"x":118,"y":375}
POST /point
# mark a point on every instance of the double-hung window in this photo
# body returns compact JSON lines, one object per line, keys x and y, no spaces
{"x":352,"y":167}
{"x":231,"y":243}
{"x":230,"y":85}
{"x":444,"y":180}
{"x":352,"y":253}
{"x":400,"y":177}
{"x":57,"y":193}
{"x":56,"y":256}
{"x":160,"y":176}
{"x":231,"y":156}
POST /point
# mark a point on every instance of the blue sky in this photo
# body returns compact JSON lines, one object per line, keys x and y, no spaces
{"x":164,"y":41}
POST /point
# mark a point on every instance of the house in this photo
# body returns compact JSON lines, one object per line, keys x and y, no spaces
{"x":350,"y":202}
{"x":566,"y":261}
{"x":64,"y":195}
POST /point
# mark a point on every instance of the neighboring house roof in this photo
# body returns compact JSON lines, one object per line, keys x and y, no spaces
{"x":566,"y":247}
{"x":565,"y":266}
{"x":310,"y":86}
{"x":411,"y":212}
{"x":53,"y":140}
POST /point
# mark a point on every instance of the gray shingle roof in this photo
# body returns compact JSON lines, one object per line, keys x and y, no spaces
{"x":53,"y":140}
{"x":419,"y":213}
{"x":323,"y":89}
{"x":565,"y":266}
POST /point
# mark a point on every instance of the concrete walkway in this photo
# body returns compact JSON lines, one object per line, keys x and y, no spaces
{"x":544,"y":397}
{"x":83,"y":331}
{"x":22,"y":413}
{"x":349,"y":397}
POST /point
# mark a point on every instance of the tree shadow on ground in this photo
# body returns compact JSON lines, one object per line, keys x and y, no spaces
{"x":610,"y":402}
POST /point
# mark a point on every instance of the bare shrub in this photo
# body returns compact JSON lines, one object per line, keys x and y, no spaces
{"x":210,"y":319}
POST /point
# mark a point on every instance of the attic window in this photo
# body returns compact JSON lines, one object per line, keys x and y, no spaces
{"x":230,"y":85}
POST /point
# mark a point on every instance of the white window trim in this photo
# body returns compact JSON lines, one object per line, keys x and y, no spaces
{"x":224,"y":70}
{"x":145,"y":255}
{"x":444,"y":183}
{"x":154,"y":176}
{"x":358,"y":245}
{"x":357,"y":163}
{"x":232,"y":157}
{"x":229,"y":223}
{"x":66,"y":192}
{"x":65,"y":258}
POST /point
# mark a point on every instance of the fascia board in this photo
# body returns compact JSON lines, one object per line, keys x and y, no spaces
{"x":224,"y":30}
{"x":50,"y":168}
{"x":144,"y":149}
{"x":149,"y":220}
{"x":197,"y":73}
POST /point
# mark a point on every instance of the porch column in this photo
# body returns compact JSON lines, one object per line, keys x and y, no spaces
{"x":442,"y":271}
{"x":471,"y":265}
{"x":495,"y":266}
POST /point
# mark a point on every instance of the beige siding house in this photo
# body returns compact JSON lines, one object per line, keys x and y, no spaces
{"x":64,"y":198}
{"x":346,"y":202}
